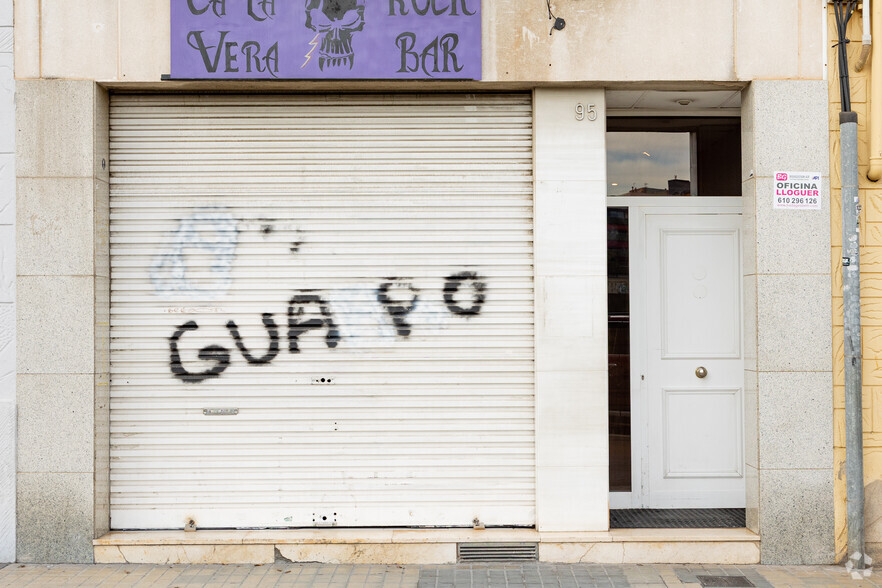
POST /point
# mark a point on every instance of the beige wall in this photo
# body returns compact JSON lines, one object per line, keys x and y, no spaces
{"x":604,"y":40}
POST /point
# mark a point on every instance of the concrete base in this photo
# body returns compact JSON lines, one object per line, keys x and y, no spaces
{"x":431,"y":546}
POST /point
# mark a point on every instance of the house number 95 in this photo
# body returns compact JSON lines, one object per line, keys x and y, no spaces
{"x":582,"y":113}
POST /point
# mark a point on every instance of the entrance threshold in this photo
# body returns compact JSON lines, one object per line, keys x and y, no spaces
{"x":425,"y":546}
{"x":677,"y":518}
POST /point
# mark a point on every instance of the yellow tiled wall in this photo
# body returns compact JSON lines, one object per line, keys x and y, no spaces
{"x":871,"y":295}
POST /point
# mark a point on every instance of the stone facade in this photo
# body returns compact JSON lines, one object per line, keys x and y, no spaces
{"x":69,"y":56}
{"x":788,"y":370}
{"x":63,"y":320}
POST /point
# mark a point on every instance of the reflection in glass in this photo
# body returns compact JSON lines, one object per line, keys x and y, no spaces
{"x":619,"y":350}
{"x":649,"y":164}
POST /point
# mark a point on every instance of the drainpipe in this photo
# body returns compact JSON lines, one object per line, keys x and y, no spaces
{"x":875,"y":122}
{"x":866,"y":41}
{"x":851,"y":294}
{"x":851,"y":284}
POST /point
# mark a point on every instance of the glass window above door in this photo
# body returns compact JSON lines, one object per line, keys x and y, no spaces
{"x":673,"y":156}
{"x":649,"y":164}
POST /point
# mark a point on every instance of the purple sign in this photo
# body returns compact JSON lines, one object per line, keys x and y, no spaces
{"x":326,"y":39}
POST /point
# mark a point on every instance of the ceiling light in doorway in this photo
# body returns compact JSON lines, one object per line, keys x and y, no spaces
{"x":647,"y":154}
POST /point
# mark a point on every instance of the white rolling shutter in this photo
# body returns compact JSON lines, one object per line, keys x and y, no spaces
{"x":322,"y":311}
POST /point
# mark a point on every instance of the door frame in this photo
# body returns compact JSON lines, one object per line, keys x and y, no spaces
{"x":638,"y":209}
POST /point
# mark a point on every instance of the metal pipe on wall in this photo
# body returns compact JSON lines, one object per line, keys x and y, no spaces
{"x":851,"y":293}
{"x":851,"y":285}
{"x":875,"y":122}
{"x":867,"y":40}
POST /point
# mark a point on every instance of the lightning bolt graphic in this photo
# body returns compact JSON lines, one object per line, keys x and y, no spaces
{"x":314,"y":44}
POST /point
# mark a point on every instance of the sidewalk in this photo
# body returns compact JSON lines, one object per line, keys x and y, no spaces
{"x":450,"y":576}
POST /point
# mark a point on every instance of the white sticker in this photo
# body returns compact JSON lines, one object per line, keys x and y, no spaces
{"x":798,"y":190}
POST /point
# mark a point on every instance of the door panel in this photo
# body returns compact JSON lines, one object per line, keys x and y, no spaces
{"x":691,"y":416}
{"x":699,"y":289}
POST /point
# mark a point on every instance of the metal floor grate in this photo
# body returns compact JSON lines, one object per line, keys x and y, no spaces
{"x":724,"y":581}
{"x":677,"y":518}
{"x":497,"y":552}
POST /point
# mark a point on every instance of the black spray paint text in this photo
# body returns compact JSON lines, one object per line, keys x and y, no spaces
{"x":309,"y":311}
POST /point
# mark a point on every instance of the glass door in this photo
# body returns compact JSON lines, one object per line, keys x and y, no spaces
{"x":618,"y":295}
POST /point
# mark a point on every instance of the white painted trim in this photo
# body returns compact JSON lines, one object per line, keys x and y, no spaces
{"x":619,"y":500}
{"x":639,"y":419}
{"x":678,"y":204}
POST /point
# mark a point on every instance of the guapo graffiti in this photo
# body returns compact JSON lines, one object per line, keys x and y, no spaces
{"x":400,"y":305}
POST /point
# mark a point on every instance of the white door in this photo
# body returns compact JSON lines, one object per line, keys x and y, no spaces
{"x":692,"y":394}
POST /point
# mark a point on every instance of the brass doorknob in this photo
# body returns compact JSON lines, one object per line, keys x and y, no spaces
{"x":701,"y":372}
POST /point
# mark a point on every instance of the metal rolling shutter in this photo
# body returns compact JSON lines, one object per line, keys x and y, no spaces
{"x":352,"y":277}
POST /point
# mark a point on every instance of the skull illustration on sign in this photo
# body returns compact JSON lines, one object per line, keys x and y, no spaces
{"x":336,"y":21}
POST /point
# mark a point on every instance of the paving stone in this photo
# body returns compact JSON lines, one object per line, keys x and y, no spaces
{"x":449,"y":576}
